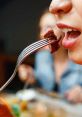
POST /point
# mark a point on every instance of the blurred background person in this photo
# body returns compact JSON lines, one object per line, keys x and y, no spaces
{"x":54,"y":73}
{"x":26,"y":74}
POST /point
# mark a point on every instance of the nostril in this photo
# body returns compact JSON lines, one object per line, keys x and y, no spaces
{"x":58,"y":6}
{"x":57,"y":11}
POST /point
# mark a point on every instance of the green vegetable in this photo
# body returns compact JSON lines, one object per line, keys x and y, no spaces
{"x":16,"y":110}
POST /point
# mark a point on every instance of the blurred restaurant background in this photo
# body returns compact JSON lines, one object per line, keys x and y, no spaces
{"x":18,"y":28}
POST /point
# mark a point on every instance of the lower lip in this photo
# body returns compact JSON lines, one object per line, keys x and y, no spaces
{"x":69,"y":42}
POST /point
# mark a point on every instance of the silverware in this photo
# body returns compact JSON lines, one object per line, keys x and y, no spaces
{"x":25,"y":53}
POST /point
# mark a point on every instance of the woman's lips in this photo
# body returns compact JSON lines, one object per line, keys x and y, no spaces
{"x":71,"y":35}
{"x":68,"y":42}
{"x":61,"y":26}
{"x":70,"y":38}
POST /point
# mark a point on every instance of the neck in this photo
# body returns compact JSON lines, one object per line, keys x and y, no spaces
{"x":61,"y":55}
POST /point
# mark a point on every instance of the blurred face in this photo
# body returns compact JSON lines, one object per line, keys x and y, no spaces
{"x":69,"y":20}
{"x":48,"y":22}
{"x":48,"y":26}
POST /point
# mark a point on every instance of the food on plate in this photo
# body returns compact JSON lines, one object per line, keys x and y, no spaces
{"x":16,"y":110}
{"x":5,"y":110}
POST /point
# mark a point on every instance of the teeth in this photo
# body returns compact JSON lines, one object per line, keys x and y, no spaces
{"x":65,"y":30}
{"x":70,"y":30}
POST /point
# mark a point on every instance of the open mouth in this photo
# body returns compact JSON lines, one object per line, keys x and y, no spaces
{"x":71,"y":34}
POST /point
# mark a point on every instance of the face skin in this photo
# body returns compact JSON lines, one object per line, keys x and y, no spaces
{"x":69,"y":18}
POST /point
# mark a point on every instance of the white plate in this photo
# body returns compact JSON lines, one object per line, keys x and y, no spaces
{"x":27,"y":94}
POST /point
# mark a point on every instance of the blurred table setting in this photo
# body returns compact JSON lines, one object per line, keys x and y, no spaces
{"x":39,"y":103}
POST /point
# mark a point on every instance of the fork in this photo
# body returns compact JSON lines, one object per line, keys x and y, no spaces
{"x":26,"y":52}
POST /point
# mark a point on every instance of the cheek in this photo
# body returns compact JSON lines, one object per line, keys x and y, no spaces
{"x":75,"y":55}
{"x":79,"y":10}
{"x":78,"y":6}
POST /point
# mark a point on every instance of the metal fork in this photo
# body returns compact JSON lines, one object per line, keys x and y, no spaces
{"x":26,"y":52}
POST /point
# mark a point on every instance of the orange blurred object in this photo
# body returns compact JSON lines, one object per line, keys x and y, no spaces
{"x":5,"y":110}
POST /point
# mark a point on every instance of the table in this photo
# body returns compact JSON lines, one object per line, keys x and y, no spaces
{"x":46,"y":106}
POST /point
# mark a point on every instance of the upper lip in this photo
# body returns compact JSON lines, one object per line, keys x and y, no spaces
{"x":62,"y":26}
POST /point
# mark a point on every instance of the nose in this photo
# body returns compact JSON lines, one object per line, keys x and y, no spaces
{"x":58,"y":6}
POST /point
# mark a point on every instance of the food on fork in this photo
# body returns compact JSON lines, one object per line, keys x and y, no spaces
{"x":55,"y":38}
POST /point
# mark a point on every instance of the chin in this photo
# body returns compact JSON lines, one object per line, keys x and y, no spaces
{"x":75,"y":58}
{"x":77,"y":61}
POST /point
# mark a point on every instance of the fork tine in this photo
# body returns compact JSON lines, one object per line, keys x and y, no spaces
{"x":31,"y":50}
{"x":33,"y":45}
{"x":37,"y":42}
